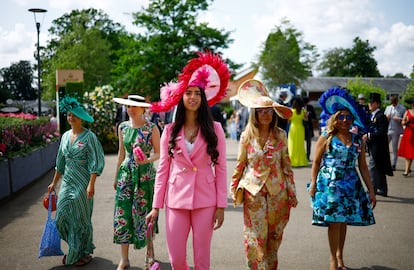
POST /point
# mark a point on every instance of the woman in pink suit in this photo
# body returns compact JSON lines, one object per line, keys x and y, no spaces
{"x":191,"y":176}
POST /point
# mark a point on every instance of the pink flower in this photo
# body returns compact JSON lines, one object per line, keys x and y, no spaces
{"x":139,"y":154}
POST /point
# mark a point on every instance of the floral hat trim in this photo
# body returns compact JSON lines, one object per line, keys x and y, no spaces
{"x":207,"y":71}
{"x":71,"y":104}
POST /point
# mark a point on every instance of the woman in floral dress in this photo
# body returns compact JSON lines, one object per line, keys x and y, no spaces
{"x":338,"y":196}
{"x":80,"y":160}
{"x":139,"y":146}
{"x":264,"y":177}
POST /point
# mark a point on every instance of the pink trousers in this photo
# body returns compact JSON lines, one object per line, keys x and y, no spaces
{"x":178,"y":224}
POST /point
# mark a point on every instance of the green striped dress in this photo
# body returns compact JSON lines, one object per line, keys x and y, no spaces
{"x":76,"y":162}
{"x":135,"y":188}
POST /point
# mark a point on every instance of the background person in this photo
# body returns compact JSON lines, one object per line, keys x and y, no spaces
{"x":80,"y":159}
{"x":191,"y":176}
{"x":377,"y":141}
{"x":134,"y":178}
{"x":309,"y":132}
{"x":264,"y":176}
{"x":296,"y":135}
{"x":394,"y":113}
{"x":406,"y":149}
{"x":338,"y":197}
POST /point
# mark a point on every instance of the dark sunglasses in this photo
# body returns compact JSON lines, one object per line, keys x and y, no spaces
{"x":342,"y":117}
{"x":263,"y":111}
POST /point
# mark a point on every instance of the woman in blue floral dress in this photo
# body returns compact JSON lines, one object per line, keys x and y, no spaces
{"x":139,"y":146}
{"x":338,"y":196}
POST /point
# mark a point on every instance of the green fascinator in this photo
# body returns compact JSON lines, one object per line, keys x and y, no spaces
{"x":71,"y":104}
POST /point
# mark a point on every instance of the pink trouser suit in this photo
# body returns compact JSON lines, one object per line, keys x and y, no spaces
{"x":191,"y":190}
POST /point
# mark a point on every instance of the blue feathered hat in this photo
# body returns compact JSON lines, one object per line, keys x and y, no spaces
{"x":336,"y":99}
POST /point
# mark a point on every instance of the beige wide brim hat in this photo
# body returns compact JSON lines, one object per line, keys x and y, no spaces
{"x":253,"y":94}
{"x":133,"y":100}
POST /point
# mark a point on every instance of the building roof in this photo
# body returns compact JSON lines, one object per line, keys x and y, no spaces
{"x":321,"y":84}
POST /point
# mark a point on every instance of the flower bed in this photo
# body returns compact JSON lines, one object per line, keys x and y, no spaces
{"x":28,"y":148}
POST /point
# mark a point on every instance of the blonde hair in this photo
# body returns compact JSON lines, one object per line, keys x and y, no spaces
{"x":252,"y":128}
{"x":331,"y":129}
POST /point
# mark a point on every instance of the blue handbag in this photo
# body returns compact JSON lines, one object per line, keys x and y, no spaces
{"x":50,"y":243}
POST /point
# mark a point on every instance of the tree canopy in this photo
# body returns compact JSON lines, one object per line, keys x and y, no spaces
{"x":171,"y":36}
{"x":17,"y":82}
{"x":356,"y":61}
{"x":83,"y":39}
{"x":285,"y":57}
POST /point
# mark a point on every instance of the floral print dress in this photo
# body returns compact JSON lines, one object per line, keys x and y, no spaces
{"x":135,"y":188}
{"x":340,"y":195}
{"x":266,"y":175}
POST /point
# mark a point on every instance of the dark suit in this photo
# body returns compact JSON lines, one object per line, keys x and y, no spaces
{"x":380,"y":162}
{"x":309,"y":133}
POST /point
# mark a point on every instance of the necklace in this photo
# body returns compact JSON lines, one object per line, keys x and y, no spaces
{"x":192,"y":136}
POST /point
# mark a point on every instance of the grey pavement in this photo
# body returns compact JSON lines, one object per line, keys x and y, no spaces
{"x":387,"y":245}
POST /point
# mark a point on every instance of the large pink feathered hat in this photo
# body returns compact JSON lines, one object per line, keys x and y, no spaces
{"x":207,"y":71}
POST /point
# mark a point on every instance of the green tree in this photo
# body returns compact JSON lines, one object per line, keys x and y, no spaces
{"x":17,"y":81}
{"x":285,"y":57}
{"x":358,"y":86}
{"x":171,"y":36}
{"x":357,"y":61}
{"x":83,"y":39}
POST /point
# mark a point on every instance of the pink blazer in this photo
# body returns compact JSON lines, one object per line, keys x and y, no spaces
{"x":188,"y":181}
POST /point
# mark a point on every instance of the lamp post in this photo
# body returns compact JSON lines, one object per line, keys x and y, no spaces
{"x":39,"y":90}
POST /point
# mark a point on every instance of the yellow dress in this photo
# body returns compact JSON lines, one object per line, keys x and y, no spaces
{"x":296,"y":140}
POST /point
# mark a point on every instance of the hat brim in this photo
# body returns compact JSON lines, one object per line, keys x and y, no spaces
{"x":335,"y":103}
{"x":82,"y":114}
{"x":129,"y":102}
{"x":253,"y":94}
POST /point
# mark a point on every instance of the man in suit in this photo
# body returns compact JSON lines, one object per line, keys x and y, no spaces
{"x":377,"y":141}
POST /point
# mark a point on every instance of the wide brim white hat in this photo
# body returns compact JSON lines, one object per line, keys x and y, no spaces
{"x":253,"y":94}
{"x":133,"y":100}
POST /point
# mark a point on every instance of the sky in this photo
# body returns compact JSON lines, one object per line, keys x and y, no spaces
{"x":387,"y":25}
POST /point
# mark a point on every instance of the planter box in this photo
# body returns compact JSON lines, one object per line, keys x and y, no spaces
{"x":26,"y":169}
{"x":5,"y":189}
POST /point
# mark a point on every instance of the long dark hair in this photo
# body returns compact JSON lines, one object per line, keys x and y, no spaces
{"x":205,"y":121}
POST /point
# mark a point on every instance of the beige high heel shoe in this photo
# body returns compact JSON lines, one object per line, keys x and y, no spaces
{"x":123,"y":264}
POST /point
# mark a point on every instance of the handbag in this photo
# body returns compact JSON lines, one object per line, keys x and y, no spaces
{"x":239,"y":196}
{"x":150,"y":263}
{"x":50,"y":242}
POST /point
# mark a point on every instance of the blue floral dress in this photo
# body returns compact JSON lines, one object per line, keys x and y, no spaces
{"x":135,"y":188}
{"x":340,"y":195}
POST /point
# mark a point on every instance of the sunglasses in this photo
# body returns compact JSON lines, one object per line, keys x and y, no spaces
{"x":342,"y":117}
{"x":263,"y":111}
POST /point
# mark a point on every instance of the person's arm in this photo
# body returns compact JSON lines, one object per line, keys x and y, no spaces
{"x":317,"y":159}
{"x":121,"y":154}
{"x":55,"y":180}
{"x":363,"y":169}
{"x":155,"y":140}
{"x":241,"y":163}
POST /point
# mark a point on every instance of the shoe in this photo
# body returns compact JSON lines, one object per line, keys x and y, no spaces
{"x":83,"y":261}
{"x":407,"y":173}
{"x":393,"y":168}
{"x":382,"y":193}
{"x":123,"y":264}
{"x":342,"y":268}
{"x":64,"y":260}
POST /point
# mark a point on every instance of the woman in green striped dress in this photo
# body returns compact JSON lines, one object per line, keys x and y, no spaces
{"x":80,"y":160}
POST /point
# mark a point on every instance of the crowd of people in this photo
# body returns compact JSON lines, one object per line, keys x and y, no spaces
{"x":273,"y":137}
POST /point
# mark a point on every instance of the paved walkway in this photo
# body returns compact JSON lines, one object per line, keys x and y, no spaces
{"x":388,"y":245}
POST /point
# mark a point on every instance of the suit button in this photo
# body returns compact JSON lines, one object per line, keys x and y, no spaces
{"x":184,"y":169}
{"x":194,"y":169}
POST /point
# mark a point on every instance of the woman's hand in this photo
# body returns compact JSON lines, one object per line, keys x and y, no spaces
{"x":312,"y":190}
{"x":372,"y":198}
{"x":218,"y":218}
{"x":293,"y":201}
{"x":51,"y":187}
{"x":152,"y":216}
{"x":90,"y":191}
